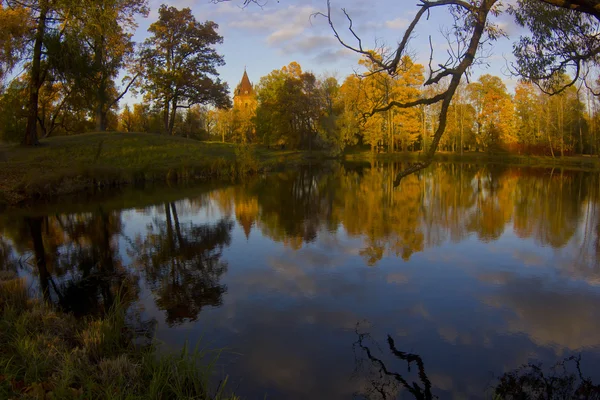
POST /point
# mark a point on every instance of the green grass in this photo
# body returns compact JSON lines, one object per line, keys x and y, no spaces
{"x":46,"y":354}
{"x":72,"y":164}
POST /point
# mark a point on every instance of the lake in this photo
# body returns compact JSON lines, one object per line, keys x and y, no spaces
{"x":327,"y":282}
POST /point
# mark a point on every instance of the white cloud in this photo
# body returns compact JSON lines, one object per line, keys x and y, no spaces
{"x":309,"y":44}
{"x":398,"y":23}
{"x":292,"y":30}
{"x":287,"y":18}
{"x":284,"y":35}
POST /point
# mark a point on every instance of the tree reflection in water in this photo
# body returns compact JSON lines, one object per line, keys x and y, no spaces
{"x":385,"y":383}
{"x":564,"y":380}
{"x":182,"y":264}
{"x":75,"y":258}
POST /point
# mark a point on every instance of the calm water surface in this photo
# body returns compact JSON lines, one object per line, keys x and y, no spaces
{"x":302,"y":275}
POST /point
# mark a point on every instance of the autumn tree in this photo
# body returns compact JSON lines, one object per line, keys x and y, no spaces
{"x":529,"y":115}
{"x":14,"y":37}
{"x":406,"y":124}
{"x":494,"y":112}
{"x":563,"y":36}
{"x":224,"y":126}
{"x":126,"y":119}
{"x":459,"y":132}
{"x":181,"y":63}
{"x":102,"y":33}
{"x":348,"y":122}
{"x":37,"y":17}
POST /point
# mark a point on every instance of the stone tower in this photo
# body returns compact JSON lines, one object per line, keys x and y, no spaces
{"x":244,"y":96}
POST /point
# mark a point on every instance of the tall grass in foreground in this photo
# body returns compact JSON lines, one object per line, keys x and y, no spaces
{"x":47,"y":354}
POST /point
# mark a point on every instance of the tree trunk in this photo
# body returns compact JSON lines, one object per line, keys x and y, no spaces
{"x":101,"y":97}
{"x":101,"y":118}
{"x":35,"y":229}
{"x":170,"y":129}
{"x":177,"y":227}
{"x":166,"y":116}
{"x":389,"y":118}
{"x":35,"y":78}
{"x":462,"y":129}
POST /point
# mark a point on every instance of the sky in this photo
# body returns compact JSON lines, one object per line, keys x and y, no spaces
{"x":265,"y":38}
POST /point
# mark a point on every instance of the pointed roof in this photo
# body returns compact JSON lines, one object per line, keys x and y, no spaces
{"x":245,"y":87}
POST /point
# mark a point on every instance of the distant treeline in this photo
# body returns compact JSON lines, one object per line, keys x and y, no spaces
{"x":71,"y":55}
{"x":296,"y":109}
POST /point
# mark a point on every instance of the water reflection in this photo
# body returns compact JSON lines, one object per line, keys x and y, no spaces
{"x":75,"y":258}
{"x":182,"y":263}
{"x":564,"y":380}
{"x":477,"y":269}
{"x":449,"y":202}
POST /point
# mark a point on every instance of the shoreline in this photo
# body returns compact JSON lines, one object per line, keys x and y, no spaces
{"x":109,"y":161}
{"x":586,"y":163}
{"x":101,"y":162}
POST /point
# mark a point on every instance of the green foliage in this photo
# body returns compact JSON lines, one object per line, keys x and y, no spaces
{"x":181,"y":63}
{"x":558,"y":40}
{"x":13,"y":112}
{"x":246,"y":160}
{"x":288,"y":108}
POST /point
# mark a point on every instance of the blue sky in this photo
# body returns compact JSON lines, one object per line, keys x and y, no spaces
{"x":266,"y":38}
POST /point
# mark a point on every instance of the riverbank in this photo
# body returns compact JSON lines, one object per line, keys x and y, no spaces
{"x":588,"y":163}
{"x":73,"y":164}
{"x":97,"y":162}
{"x":47,"y":354}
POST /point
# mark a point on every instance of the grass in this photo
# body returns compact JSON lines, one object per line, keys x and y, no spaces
{"x":46,"y":354}
{"x":96,"y":161}
{"x":72,"y":164}
{"x":569,"y":162}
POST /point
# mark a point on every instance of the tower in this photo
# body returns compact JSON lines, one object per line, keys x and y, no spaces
{"x":244,"y":96}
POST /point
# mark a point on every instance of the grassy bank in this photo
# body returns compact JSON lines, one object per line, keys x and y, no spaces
{"x":73,"y":164}
{"x":569,"y":162}
{"x":95,"y":161}
{"x":46,"y":354}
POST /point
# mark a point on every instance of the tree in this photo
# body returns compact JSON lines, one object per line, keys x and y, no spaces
{"x":459,"y":132}
{"x":102,"y":31}
{"x":13,"y":111}
{"x":494,"y":112}
{"x":14,"y":35}
{"x":180,"y":63}
{"x":330,"y":121}
{"x":563,"y":36}
{"x":224,"y":124}
{"x":573,"y":43}
{"x":271,"y":124}
{"x":141,"y":118}
{"x":349,"y":119}
{"x":126,"y":120}
{"x":406,"y":87}
{"x":528,"y":114}
{"x":41,"y":15}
